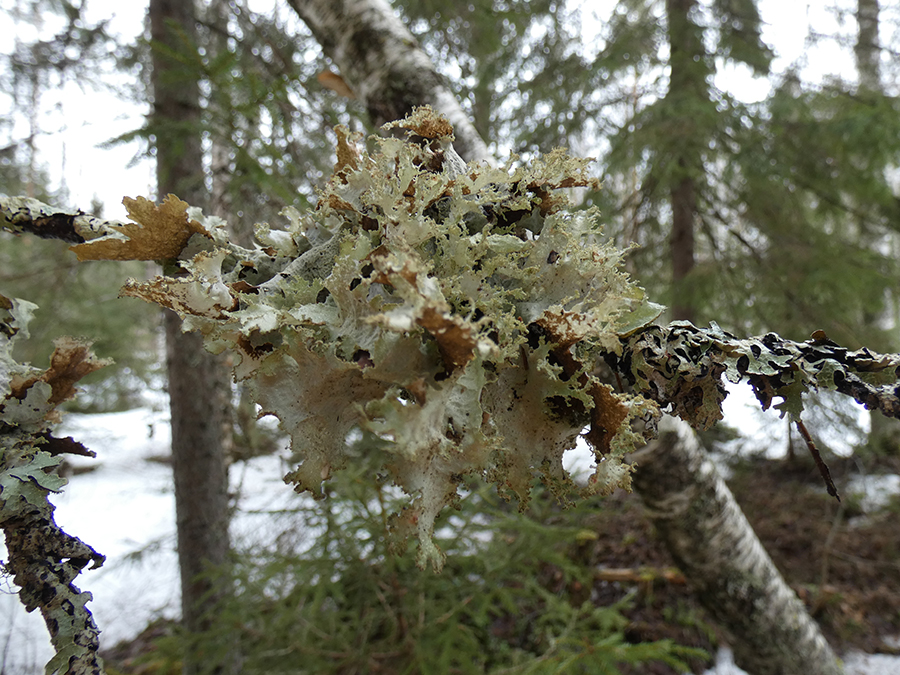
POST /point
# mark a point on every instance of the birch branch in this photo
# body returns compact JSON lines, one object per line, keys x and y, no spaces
{"x":724,"y":562}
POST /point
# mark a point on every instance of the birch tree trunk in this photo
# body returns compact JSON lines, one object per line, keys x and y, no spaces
{"x":383,"y":64}
{"x":199,"y":386}
{"x":726,"y":565}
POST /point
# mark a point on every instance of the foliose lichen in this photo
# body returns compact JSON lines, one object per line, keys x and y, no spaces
{"x":458,"y":312}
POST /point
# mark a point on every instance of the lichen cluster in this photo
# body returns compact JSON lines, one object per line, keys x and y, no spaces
{"x":456,"y":312}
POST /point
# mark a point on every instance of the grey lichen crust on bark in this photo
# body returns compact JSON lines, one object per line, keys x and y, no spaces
{"x":383,"y":64}
{"x":725,"y":563}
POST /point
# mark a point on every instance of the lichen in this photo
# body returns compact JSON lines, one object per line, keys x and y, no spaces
{"x":456,"y":313}
{"x":42,"y":559}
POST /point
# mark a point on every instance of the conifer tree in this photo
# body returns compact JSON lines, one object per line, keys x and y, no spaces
{"x":198,"y":382}
{"x":522,"y":70}
{"x":779,"y":187}
{"x":884,"y":434}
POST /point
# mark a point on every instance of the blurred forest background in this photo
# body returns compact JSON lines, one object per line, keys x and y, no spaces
{"x":754,"y":190}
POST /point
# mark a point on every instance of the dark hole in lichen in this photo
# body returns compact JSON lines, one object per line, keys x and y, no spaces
{"x":536,"y":333}
{"x":363,"y":359}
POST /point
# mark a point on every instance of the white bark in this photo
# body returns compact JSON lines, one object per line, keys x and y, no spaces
{"x":384,"y":66}
{"x":726,"y":565}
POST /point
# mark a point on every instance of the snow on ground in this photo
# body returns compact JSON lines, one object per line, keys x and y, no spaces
{"x":855,"y":663}
{"x":125,"y":509}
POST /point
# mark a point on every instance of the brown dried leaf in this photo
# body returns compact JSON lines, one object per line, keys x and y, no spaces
{"x":331,"y":80}
{"x":158,"y":233}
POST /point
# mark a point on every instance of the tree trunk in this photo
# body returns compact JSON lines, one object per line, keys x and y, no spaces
{"x":884,"y":435}
{"x":199,"y":386}
{"x":687,"y":86}
{"x":867,"y":50}
{"x":677,"y":470}
{"x":726,"y":565}
{"x":384,"y":66}
{"x":684,"y":207}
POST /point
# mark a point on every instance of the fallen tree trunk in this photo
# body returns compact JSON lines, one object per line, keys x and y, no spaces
{"x":724,"y":562}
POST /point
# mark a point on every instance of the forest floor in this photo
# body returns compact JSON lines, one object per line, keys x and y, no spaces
{"x":843,"y":563}
{"x":843,"y":559}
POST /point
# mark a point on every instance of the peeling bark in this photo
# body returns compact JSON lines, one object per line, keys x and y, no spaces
{"x":384,"y":66}
{"x":725,"y":563}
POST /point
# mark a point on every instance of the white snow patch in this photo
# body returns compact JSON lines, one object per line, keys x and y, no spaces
{"x":875,"y":491}
{"x":855,"y":663}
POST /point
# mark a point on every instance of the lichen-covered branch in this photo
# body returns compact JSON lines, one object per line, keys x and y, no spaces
{"x":454,"y":312}
{"x":96,"y":239}
{"x":681,"y":366}
{"x":27,"y":215}
{"x":43,"y":560}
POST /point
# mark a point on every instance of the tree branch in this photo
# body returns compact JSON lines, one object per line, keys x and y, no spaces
{"x":725,"y":564}
{"x":43,"y":559}
{"x":681,"y":366}
{"x":26,"y":215}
